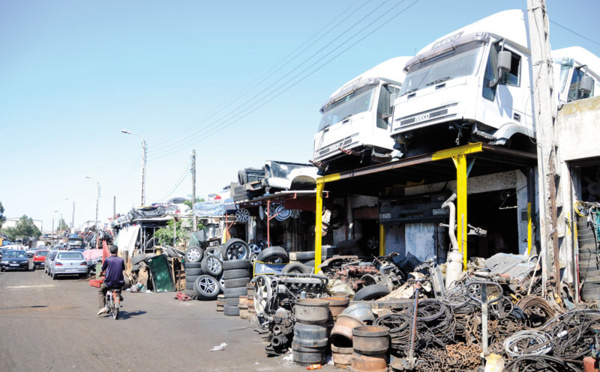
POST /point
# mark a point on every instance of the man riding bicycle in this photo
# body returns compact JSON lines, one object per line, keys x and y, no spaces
{"x":113,"y":268}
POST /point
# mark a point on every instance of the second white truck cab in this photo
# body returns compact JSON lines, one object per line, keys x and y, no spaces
{"x":356,"y":118}
{"x":472,"y":84}
{"x":576,"y":74}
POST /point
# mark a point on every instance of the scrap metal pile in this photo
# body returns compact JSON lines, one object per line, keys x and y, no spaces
{"x":486,"y":313}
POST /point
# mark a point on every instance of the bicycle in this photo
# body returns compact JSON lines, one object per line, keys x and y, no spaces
{"x":113,"y":302}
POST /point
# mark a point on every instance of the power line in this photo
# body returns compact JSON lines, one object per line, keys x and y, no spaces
{"x":181,"y":179}
{"x":304,"y":77}
{"x":266,"y":94}
{"x":263,"y":77}
{"x":575,"y":33}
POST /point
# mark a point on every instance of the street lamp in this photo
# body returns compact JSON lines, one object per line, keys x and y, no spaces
{"x":72,"y":218}
{"x":97,"y":198}
{"x":143,"y":163}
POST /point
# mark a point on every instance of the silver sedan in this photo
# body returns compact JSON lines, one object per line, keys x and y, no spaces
{"x":69,"y":263}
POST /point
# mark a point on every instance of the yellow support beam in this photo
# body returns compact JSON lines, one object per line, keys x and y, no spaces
{"x":457,"y":151}
{"x":461,"y":205}
{"x":328,"y":178}
{"x":319,"y":225}
{"x":381,"y":240}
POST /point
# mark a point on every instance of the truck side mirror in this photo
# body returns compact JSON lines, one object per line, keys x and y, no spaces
{"x":504,"y":61}
{"x":587,"y":84}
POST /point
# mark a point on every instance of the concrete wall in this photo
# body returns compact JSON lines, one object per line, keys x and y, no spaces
{"x":578,"y":129}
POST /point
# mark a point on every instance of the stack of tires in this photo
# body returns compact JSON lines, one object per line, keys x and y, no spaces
{"x":307,"y":259}
{"x":236,"y":274}
{"x":310,"y":331}
{"x":202,"y":274}
{"x":589,"y":270}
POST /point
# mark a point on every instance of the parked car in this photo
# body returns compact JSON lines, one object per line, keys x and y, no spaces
{"x":48,"y":261}
{"x":14,"y":260}
{"x":69,"y":263}
{"x":93,"y":257}
{"x":39,"y":258}
{"x":30,"y":252}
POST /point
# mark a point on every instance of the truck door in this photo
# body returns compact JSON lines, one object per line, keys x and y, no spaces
{"x":507,"y":96}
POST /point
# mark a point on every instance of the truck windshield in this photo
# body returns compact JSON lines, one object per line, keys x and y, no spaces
{"x":461,"y":61}
{"x":352,"y":104}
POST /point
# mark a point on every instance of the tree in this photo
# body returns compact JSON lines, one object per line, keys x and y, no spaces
{"x":2,"y":218}
{"x":189,"y":202}
{"x":62,"y":225}
{"x":24,"y":229}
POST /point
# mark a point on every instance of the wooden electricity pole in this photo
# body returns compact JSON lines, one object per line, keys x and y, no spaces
{"x":194,"y":188}
{"x":545,"y":119}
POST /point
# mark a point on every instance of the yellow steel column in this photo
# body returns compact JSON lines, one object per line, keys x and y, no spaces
{"x":461,"y":205}
{"x":381,"y":240}
{"x":318,"y":225}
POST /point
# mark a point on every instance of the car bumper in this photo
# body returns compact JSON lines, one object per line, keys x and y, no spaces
{"x":70,"y":270}
{"x":17,"y":266}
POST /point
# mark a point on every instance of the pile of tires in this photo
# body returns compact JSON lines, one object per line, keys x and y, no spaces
{"x":236,"y":274}
{"x":589,"y":270}
{"x":203,"y":274}
{"x":308,"y":258}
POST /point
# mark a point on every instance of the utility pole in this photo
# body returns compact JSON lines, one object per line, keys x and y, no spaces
{"x":114,"y":207}
{"x":194,"y":188}
{"x":144,"y":149}
{"x":545,"y":119}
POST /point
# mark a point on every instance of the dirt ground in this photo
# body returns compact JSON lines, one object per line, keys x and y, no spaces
{"x":51,"y":325}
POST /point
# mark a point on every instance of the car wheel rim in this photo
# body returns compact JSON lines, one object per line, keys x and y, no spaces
{"x":209,"y":286}
{"x":373,"y":243}
{"x":194,"y":254}
{"x":242,"y":215}
{"x":236,"y":252}
{"x":214,"y":265}
{"x":255,"y":248}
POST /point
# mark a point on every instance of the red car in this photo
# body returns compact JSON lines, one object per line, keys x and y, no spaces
{"x":39,"y":258}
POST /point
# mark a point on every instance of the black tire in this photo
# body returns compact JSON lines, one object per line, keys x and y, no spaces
{"x":237,"y":283}
{"x":235,"y":249}
{"x":236,"y":274}
{"x":194,"y":254}
{"x":207,"y":287}
{"x":212,"y":265}
{"x":194,"y":265}
{"x":231,"y":310}
{"x":189,"y":281}
{"x":138,"y":258}
{"x":305,"y":256}
{"x":235,"y":292}
{"x":273,"y":255}
{"x":310,"y":264}
{"x":189,"y":271}
{"x":232,"y":301}
{"x":296,"y":268}
{"x":237,"y":264}
{"x":372,"y":292}
{"x":242,"y":177}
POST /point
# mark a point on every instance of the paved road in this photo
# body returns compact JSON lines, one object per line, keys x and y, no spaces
{"x":51,"y":325}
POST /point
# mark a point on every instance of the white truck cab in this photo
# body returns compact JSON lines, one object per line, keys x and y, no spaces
{"x":576,"y":74}
{"x":356,"y":118}
{"x":472,"y":84}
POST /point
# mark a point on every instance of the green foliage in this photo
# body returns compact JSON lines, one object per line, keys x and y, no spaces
{"x":183,"y":229}
{"x":25,"y":228}
{"x":62,"y":225}
{"x":190,"y":204}
{"x":2,"y":218}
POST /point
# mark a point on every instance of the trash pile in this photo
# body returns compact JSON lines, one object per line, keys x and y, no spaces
{"x":493,"y":314}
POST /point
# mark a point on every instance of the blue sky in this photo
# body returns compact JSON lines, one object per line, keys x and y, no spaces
{"x":185,"y":75}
